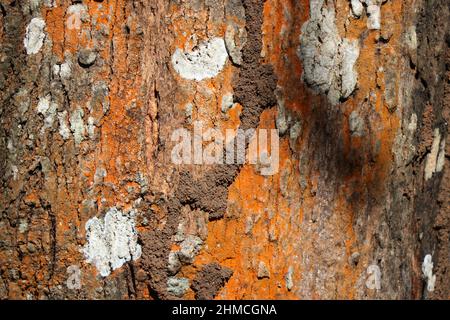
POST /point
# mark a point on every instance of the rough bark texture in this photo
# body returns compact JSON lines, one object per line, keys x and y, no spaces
{"x":91,"y":92}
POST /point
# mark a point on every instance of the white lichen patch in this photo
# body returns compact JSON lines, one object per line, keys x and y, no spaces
{"x":23,"y":226}
{"x":64,"y":130}
{"x":373,"y":281}
{"x":203,"y":62}
{"x":76,"y":13}
{"x":43,"y":104}
{"x":14,"y":171}
{"x":441,"y":157}
{"x":289,"y":278}
{"x":411,"y":38}
{"x":47,"y":107}
{"x":412,"y":125}
{"x":373,"y":10}
{"x":189,"y":248}
{"x":34,"y":36}
{"x":91,"y":128}
{"x":50,"y":3}
{"x":349,"y":77}
{"x":111,"y":241}
{"x":188,"y":111}
{"x":328,"y":60}
{"x":227,"y":102}
{"x":63,"y":70}
{"x":374,"y":17}
{"x":427,"y":270}
{"x":436,"y":158}
{"x":357,"y":8}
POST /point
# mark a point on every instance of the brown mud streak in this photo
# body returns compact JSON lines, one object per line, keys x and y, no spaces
{"x":254,"y":87}
{"x":210,"y":280}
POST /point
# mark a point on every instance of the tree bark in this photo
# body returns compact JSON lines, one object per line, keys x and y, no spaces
{"x":93,"y":205}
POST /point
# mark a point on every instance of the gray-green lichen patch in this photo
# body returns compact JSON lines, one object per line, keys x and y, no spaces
{"x":356,"y":124}
{"x":189,"y":248}
{"x":284,"y":119}
{"x":35,"y":5}
{"x":111,"y":241}
{"x":177,"y":286}
{"x":235,"y":38}
{"x":263,"y":271}
{"x":77,"y":125}
{"x":174,"y":264}
{"x":328,"y":60}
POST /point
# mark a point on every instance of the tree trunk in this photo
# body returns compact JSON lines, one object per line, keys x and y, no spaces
{"x":93,"y":204}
